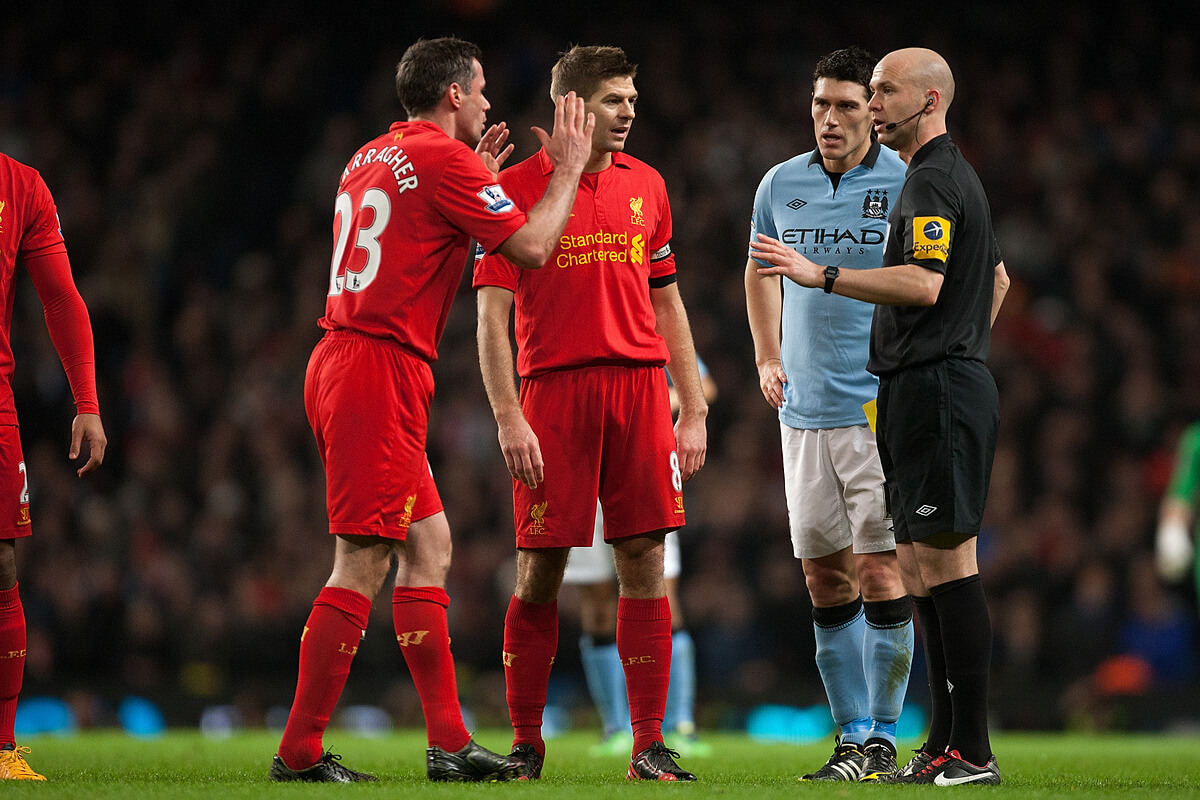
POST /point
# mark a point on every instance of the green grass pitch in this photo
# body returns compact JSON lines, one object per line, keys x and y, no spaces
{"x":185,"y":765}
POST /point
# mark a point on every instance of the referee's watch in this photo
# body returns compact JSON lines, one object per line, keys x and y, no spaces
{"x":831,"y":274}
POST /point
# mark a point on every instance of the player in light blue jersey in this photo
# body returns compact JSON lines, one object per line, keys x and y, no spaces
{"x":811,"y":349}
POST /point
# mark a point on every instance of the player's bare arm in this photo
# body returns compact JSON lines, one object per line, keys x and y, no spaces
{"x":691,"y":435}
{"x":568,"y":148}
{"x":491,"y":147}
{"x":999,"y":290}
{"x":518,"y":442}
{"x":764,"y":307}
{"x":88,"y":428}
{"x":903,"y":285}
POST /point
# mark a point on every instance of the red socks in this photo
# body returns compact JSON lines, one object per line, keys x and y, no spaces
{"x":644,"y":643}
{"x":338,"y":621}
{"x":530,"y":642}
{"x":419,"y":614}
{"x":12,"y":659}
{"x":327,"y":647}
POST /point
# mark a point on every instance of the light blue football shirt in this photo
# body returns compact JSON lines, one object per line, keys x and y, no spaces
{"x":826,"y":336}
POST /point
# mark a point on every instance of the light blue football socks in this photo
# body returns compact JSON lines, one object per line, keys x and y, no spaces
{"x":681,"y":693}
{"x":839,"y":632}
{"x":887,"y":659}
{"x":606,"y":682}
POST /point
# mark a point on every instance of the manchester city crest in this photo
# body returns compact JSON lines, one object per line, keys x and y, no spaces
{"x":875,"y":204}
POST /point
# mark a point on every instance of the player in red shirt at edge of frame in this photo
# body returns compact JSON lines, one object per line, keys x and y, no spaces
{"x":407,"y":206}
{"x":30,"y":234}
{"x":594,"y":328}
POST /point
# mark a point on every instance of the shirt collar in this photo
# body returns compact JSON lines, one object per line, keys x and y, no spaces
{"x":868,"y":161}
{"x":927,"y":149}
{"x":872,"y":155}
{"x":423,"y":123}
{"x":618,"y":160}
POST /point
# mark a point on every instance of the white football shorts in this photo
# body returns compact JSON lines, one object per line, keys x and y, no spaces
{"x":595,"y":564}
{"x":834,"y":485}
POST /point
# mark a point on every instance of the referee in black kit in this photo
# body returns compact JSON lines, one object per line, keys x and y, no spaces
{"x":937,"y":294}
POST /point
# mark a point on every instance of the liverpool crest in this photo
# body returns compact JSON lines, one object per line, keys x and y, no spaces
{"x":635,"y":206}
{"x":538,"y":514}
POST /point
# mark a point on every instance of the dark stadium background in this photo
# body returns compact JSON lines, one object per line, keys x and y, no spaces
{"x":193,"y":150}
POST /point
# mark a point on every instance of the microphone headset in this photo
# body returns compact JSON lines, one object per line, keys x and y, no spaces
{"x":891,"y":126}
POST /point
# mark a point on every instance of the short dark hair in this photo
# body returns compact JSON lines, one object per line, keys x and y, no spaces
{"x":583,"y":68}
{"x":428,"y":68}
{"x":852,"y":64}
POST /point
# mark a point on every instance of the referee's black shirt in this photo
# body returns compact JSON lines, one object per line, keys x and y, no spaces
{"x":943,"y":222}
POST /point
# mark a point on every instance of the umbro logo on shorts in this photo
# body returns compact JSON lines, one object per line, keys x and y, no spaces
{"x":925,"y":511}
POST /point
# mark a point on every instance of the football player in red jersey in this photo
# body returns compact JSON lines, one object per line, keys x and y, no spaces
{"x":594,"y":328}
{"x":30,"y":234}
{"x":407,"y":206}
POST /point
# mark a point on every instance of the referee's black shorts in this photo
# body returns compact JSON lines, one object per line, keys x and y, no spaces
{"x":937,"y":436}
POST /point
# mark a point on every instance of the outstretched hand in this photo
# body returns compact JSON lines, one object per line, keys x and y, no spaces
{"x":786,"y":262}
{"x":570,"y":146}
{"x":491,"y":147}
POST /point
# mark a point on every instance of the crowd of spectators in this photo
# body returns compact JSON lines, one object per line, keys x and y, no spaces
{"x":194,"y":156}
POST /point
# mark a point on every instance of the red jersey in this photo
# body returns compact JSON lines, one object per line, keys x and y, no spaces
{"x":407,"y":206}
{"x":30,"y":233}
{"x":590,"y":303}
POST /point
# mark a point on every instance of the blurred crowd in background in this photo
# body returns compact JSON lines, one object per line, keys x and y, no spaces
{"x":194,"y":154}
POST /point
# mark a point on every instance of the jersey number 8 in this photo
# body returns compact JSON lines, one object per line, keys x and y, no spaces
{"x":367,"y":239}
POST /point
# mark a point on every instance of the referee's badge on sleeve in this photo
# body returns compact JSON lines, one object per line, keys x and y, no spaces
{"x":931,"y":238}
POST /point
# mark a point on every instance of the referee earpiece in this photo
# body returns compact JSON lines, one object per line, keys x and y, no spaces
{"x":891,"y":126}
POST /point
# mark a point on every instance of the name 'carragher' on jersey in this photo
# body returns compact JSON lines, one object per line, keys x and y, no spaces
{"x":408,"y":203}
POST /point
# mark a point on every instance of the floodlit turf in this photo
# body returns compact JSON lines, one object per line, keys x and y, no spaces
{"x":186,"y":765}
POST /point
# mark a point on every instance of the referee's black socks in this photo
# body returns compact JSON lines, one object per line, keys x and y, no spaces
{"x":966,"y":639}
{"x":935,"y":668}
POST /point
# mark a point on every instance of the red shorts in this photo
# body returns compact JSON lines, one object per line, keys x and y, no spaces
{"x":367,"y":401}
{"x":605,"y":432}
{"x":14,"y":486}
